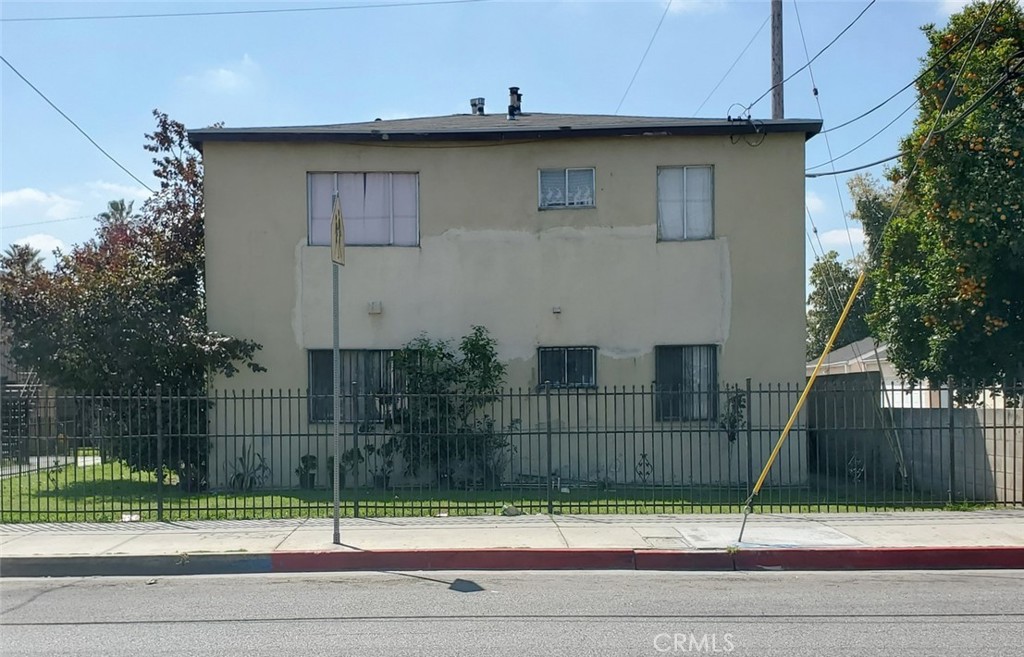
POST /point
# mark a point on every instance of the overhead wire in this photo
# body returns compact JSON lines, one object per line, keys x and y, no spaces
{"x":824,"y":174}
{"x":838,"y":295}
{"x":45,"y":221}
{"x":1013,"y":70}
{"x":237,"y":12}
{"x":821,"y":115}
{"x":668,"y":5}
{"x":928,"y":70}
{"x":72,"y":122}
{"x":812,"y":59}
{"x":832,"y":286}
{"x":869,"y":139}
{"x":733,"y":65}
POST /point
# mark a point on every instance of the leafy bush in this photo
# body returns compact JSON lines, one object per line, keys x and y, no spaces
{"x":439,"y":420}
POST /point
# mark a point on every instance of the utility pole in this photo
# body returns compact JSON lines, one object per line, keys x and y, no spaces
{"x":777,"y":109}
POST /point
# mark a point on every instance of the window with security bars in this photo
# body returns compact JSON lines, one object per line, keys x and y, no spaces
{"x":566,"y":366}
{"x":368,"y":379}
{"x":686,"y":382}
{"x":565,"y":188}
{"x":685,"y":203}
{"x":378,"y":208}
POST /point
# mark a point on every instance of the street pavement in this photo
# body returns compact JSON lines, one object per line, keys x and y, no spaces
{"x":570,"y":614}
{"x":976,"y":539}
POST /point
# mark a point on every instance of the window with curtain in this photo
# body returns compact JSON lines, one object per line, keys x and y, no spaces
{"x":566,"y":366}
{"x":686,"y":382}
{"x":565,"y":188}
{"x":685,"y":203}
{"x":368,"y":379}
{"x":379,"y":209}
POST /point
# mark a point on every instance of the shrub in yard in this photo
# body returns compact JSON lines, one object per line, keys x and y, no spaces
{"x":439,"y":420}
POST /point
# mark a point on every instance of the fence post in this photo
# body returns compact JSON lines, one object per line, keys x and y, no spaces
{"x":355,"y":447}
{"x":952,"y":446}
{"x":547,"y":425}
{"x":750,"y":439}
{"x":159,"y":454}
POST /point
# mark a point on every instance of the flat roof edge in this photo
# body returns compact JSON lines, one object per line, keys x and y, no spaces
{"x":201,"y":136}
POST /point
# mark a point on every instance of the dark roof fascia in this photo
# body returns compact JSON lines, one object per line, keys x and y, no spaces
{"x":198,"y":137}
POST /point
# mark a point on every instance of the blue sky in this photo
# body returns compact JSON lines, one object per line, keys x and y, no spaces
{"x":390,"y":62}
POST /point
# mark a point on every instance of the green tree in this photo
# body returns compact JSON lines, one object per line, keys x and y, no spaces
{"x":118,"y":212}
{"x":873,"y":202}
{"x":832,"y":282}
{"x":19,"y":262}
{"x":440,"y":419}
{"x":948,"y":295}
{"x":126,"y":311}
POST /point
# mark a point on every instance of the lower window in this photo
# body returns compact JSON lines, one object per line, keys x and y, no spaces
{"x":686,"y":381}
{"x":367,"y":378}
{"x":566,"y":366}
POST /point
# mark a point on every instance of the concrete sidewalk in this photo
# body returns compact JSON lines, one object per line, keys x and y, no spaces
{"x":978,"y":539}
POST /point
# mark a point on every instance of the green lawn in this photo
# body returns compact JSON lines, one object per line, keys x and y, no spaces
{"x":105,"y":493}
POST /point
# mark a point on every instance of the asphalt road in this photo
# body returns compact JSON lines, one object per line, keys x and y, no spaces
{"x":521,"y":614}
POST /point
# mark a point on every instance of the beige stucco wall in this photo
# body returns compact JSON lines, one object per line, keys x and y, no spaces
{"x":489,"y":256}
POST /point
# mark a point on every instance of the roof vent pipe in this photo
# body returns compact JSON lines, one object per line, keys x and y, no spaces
{"x":478,"y":106}
{"x":515,"y":103}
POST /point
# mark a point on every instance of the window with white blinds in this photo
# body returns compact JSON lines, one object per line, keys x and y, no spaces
{"x":565,"y":188}
{"x":685,"y":203}
{"x":379,"y":209}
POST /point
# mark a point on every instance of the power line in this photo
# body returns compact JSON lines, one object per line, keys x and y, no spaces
{"x":240,"y":12}
{"x":858,"y":146}
{"x":938,"y":115}
{"x":71,"y":121}
{"x":838,"y":301}
{"x":46,"y":221}
{"x":821,"y":115}
{"x":1012,"y":71}
{"x":735,"y":62}
{"x":811,"y":60}
{"x":668,"y":5}
{"x":928,"y":70}
{"x":858,"y":168}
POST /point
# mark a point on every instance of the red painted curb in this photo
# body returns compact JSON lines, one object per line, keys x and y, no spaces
{"x":903,"y":558}
{"x":679,"y":560}
{"x":881,"y":558}
{"x":489,"y":559}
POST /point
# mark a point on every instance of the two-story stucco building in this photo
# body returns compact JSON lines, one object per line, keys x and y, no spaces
{"x":597,"y":250}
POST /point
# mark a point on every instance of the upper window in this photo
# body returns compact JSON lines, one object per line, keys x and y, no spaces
{"x":685,"y":203}
{"x":368,"y":379}
{"x":686,"y":379}
{"x":380,"y":209}
{"x":565,"y":188}
{"x":566,"y":366}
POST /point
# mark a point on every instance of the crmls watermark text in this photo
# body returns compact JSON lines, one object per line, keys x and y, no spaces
{"x":695,"y":643}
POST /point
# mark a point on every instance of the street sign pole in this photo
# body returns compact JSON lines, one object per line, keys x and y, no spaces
{"x":337,"y":261}
{"x":337,"y":406}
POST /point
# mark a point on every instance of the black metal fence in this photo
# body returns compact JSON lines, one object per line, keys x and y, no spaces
{"x":256,"y":454}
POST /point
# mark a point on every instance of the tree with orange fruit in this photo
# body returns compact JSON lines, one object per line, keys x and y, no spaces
{"x":949,"y":269}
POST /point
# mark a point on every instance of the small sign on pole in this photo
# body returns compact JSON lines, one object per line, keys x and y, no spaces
{"x":338,"y":260}
{"x":337,"y":233}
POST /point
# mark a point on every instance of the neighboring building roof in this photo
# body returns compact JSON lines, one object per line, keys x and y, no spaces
{"x":855,"y":352}
{"x":497,"y":127}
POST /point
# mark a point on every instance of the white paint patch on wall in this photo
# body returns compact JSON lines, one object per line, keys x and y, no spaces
{"x":616,"y":288}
